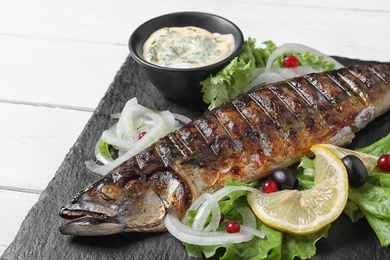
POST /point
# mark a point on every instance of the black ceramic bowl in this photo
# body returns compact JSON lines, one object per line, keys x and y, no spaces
{"x":181,"y":84}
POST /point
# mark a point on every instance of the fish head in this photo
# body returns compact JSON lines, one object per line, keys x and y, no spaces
{"x":136,"y":204}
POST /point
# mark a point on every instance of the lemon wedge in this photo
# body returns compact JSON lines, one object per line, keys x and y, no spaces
{"x":370,"y":161}
{"x":307,"y":211}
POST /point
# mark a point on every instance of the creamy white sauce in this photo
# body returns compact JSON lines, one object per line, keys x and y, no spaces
{"x":186,"y":47}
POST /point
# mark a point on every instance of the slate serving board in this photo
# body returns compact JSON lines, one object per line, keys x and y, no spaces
{"x":39,"y":238}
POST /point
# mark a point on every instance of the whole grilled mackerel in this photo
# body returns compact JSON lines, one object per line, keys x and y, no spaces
{"x":244,"y":139}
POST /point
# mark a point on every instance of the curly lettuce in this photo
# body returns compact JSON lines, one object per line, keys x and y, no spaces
{"x":275,"y":245}
{"x":370,"y":200}
{"x":233,"y":79}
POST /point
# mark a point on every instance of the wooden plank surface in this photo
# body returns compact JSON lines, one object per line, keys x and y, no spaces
{"x":20,"y":203}
{"x":33,"y":152}
{"x":57,"y":59}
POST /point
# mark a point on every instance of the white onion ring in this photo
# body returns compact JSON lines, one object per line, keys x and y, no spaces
{"x":298,"y":48}
{"x":200,"y":235}
{"x":186,"y":234}
{"x":270,"y":75}
{"x":124,"y":135}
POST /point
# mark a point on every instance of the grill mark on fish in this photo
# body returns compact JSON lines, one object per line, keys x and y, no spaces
{"x":167,"y":150}
{"x":213,"y":132}
{"x":353,"y":87}
{"x":327,"y":113}
{"x":230,"y":120}
{"x":125,"y":172}
{"x":288,"y":125}
{"x":318,"y":86}
{"x":253,"y":97}
{"x":361,"y":77}
{"x":179,"y":145}
{"x":297,"y":88}
{"x":282,"y":96}
{"x":347,"y":91}
{"x":376,"y":73}
{"x":190,"y":138}
{"x":243,"y":139}
{"x":301,"y":109}
{"x":341,"y":98}
{"x":249,"y":130}
{"x":256,"y":137}
{"x":263,"y":125}
{"x":148,"y":160}
{"x":196,"y":144}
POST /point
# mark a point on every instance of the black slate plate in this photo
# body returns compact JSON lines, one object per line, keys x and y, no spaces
{"x":39,"y":238}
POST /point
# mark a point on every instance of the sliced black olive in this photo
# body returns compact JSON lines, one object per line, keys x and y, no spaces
{"x":285,"y":179}
{"x":357,"y":172}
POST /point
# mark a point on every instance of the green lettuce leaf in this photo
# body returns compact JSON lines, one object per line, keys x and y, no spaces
{"x":373,"y":201}
{"x":381,"y":228}
{"x":307,"y":59}
{"x":227,"y":83}
{"x":233,"y":79}
{"x":353,"y":211}
{"x":305,"y":178}
{"x":104,"y":148}
{"x":370,"y":200}
{"x":378,"y":148}
{"x":302,"y":247}
{"x":275,"y":245}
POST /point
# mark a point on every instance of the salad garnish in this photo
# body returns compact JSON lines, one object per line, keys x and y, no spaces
{"x":255,"y":66}
{"x":369,"y":201}
{"x":225,"y":219}
{"x":137,"y":128}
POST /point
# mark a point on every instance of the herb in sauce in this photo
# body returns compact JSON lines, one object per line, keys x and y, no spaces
{"x":187,"y":47}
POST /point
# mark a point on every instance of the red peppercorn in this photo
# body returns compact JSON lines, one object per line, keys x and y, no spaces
{"x":384,"y":162}
{"x":141,"y":135}
{"x":269,"y":186}
{"x":232,"y":227}
{"x":290,"y":61}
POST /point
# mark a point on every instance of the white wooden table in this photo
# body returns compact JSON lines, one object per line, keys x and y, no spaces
{"x":57,"y":59}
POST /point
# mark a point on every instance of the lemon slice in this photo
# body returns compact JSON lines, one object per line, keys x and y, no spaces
{"x":370,"y":161}
{"x":307,"y":211}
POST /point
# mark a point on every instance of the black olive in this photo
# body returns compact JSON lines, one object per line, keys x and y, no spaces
{"x":357,"y":172}
{"x":285,"y":179}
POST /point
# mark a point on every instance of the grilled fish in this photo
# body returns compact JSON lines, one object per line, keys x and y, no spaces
{"x":244,"y":139}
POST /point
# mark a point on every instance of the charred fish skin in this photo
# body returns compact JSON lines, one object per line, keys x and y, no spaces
{"x":275,"y":125}
{"x":244,"y":139}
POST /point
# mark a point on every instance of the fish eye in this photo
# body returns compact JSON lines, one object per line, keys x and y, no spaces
{"x":105,"y":196}
{"x":109,"y":192}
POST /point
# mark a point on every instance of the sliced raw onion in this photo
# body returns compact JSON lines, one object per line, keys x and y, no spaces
{"x":264,"y":78}
{"x":250,"y":223}
{"x":207,"y":203}
{"x":186,"y":234}
{"x":209,"y":206}
{"x":124,"y":135}
{"x":298,"y":48}
{"x":270,"y":75}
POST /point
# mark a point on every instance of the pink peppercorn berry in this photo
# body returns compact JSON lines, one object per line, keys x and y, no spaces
{"x":141,"y":135}
{"x":232,"y":227}
{"x":384,"y":162}
{"x":290,"y":61}
{"x":269,"y":186}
